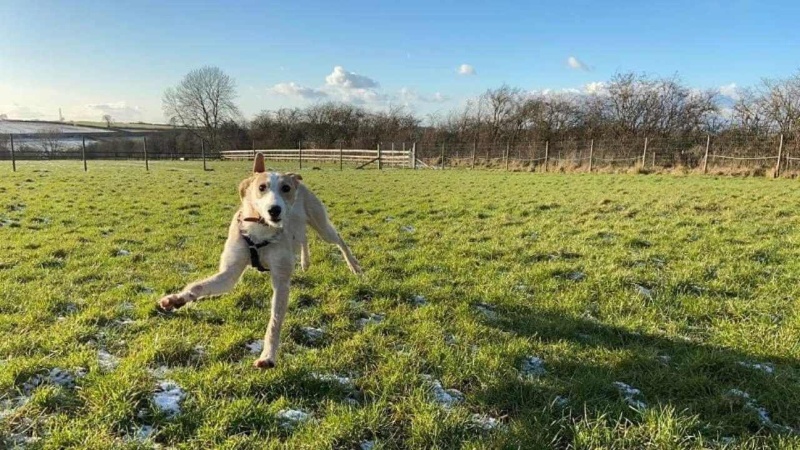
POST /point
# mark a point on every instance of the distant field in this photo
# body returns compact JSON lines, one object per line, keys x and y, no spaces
{"x":568,"y":311}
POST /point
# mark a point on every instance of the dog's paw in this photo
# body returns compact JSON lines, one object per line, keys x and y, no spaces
{"x":264,"y":363}
{"x":356,"y":268}
{"x":174,"y":301}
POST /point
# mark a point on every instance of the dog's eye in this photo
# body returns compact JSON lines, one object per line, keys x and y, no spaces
{"x":286,"y":188}
{"x":262,"y":187}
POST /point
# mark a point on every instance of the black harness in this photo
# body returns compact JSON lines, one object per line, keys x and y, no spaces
{"x":255,"y":261}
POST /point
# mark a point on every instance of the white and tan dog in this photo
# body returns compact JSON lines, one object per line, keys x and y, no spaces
{"x":269,"y":228}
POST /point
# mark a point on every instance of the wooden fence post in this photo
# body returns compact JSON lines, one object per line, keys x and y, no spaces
{"x":300,"y":153}
{"x":506,"y":155}
{"x":705,"y":158}
{"x":13,"y":157}
{"x":474,"y":150}
{"x":380,"y":159}
{"x":644,"y":153}
{"x":83,"y":151}
{"x":144,"y":147}
{"x":546,"y":154}
{"x":780,"y":153}
{"x":341,"y":156}
{"x":414,"y":156}
{"x":442,"y":161}
{"x":591,"y":155}
{"x":203,"y":152}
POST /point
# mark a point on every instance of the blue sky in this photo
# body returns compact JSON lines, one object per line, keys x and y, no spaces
{"x":93,"y":57}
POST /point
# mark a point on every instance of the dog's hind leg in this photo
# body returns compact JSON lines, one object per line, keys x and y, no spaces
{"x":328,"y":233}
{"x":280,"y":301}
{"x":231,"y":265}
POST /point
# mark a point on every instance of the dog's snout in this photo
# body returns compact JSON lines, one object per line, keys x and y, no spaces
{"x":274,"y":211}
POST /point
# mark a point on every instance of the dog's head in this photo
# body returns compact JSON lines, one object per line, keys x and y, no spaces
{"x":268,"y":195}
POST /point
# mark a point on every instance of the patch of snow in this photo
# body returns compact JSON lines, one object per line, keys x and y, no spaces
{"x":389,"y":218}
{"x":313,"y":335}
{"x":370,"y":320}
{"x":576,"y":276}
{"x":367,"y":445}
{"x":763,"y":414}
{"x":665,"y":359}
{"x":484,"y":422}
{"x":449,"y":339}
{"x":124,"y":322}
{"x":61,"y":377}
{"x":763,"y":367}
{"x":643,"y":291}
{"x":168,"y":397}
{"x":560,"y":401}
{"x":487,"y":310}
{"x":629,"y":392}
{"x":419,"y":300}
{"x":9,"y":406}
{"x":142,"y":434}
{"x":256,"y":346}
{"x":33,"y":383}
{"x":344,"y":382}
{"x":123,"y":252}
{"x":532,"y":366}
{"x":408,"y":229}
{"x":445,"y":397}
{"x":159,"y":372}
{"x":292,"y":417}
{"x":106,"y":360}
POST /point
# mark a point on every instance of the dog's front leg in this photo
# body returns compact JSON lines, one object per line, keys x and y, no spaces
{"x":232,"y":263}
{"x":280,"y":301}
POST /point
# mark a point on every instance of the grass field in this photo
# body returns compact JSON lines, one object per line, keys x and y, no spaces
{"x":568,"y":311}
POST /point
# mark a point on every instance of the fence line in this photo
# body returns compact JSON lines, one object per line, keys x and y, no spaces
{"x":699,"y":152}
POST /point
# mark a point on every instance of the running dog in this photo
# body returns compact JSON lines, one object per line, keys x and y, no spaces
{"x":267,"y":231}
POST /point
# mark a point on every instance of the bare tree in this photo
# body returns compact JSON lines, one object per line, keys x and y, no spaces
{"x":50,"y":141}
{"x":202,"y":102}
{"x":108,"y":120}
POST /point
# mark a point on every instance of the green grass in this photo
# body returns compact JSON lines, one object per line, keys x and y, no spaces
{"x":665,"y":283}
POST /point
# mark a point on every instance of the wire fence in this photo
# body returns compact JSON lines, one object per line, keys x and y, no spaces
{"x":771,"y":154}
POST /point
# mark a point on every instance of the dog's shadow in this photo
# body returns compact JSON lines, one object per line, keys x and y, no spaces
{"x":687,"y":376}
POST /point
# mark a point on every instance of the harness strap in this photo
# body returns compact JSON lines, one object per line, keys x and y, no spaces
{"x":255,"y":261}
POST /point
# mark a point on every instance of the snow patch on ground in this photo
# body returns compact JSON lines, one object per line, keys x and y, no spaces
{"x":418,"y":300}
{"x":532,"y":367}
{"x":408,"y":229}
{"x":372,"y":319}
{"x":313,"y":335}
{"x":106,"y":360}
{"x":629,"y":393}
{"x":255,"y":347}
{"x":763,"y":414}
{"x":763,"y":367}
{"x":485,"y":422}
{"x":367,"y":445}
{"x":344,"y":382}
{"x":168,"y":397}
{"x":445,"y":397}
{"x":487,"y":310}
{"x":290,"y":418}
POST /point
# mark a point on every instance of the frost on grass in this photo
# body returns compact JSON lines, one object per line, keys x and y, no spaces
{"x":487,"y":310}
{"x":763,"y":414}
{"x":485,"y":422}
{"x":106,"y":360}
{"x":370,"y":320}
{"x":445,"y":397}
{"x":629,"y":393}
{"x":290,"y":418}
{"x":532,"y":367}
{"x":255,"y":347}
{"x":168,"y":397}
{"x":763,"y":367}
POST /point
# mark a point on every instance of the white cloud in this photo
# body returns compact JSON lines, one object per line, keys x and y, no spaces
{"x":120,"y":111}
{"x":293,"y":89}
{"x":577,"y":64}
{"x":466,"y":69}
{"x":20,"y":112}
{"x":731,"y":91}
{"x":408,"y":96}
{"x":596,"y":87}
{"x":341,"y":78}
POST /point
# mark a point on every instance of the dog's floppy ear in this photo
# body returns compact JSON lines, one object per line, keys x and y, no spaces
{"x":243,"y":186}
{"x":258,"y":163}
{"x":295,"y":177}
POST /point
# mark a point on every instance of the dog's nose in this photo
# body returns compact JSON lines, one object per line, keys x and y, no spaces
{"x":274,"y":211}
